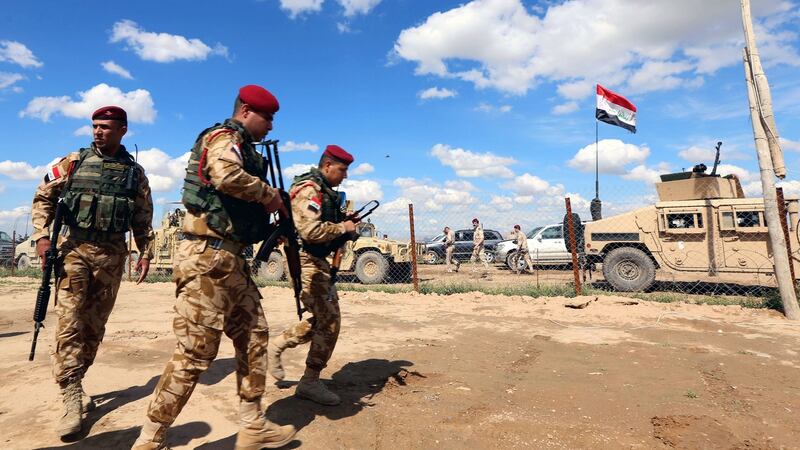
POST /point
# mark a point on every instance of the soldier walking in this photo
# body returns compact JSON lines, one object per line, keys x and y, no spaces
{"x":477,"y":246}
{"x":228,"y":207}
{"x":522,"y":250}
{"x":106,"y":194}
{"x":449,"y":246}
{"x":321,"y":225}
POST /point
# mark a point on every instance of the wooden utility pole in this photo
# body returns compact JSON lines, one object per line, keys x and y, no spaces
{"x":770,"y":162}
{"x":414,"y":276}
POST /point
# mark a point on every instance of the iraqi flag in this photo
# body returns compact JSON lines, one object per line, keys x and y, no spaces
{"x":615,"y":109}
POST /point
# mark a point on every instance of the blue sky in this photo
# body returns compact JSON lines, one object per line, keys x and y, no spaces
{"x":483,"y":108}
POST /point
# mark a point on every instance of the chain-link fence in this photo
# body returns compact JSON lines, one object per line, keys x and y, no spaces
{"x":672,"y":243}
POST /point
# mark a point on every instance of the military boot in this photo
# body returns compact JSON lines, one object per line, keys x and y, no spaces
{"x":70,"y":422}
{"x":256,"y":432}
{"x":317,"y":392}
{"x":86,"y":401}
{"x":276,"y":346}
{"x":151,"y":437}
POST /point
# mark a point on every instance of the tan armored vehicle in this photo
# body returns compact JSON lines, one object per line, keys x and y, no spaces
{"x":701,"y":229}
{"x":371,"y":258}
{"x":165,"y":243}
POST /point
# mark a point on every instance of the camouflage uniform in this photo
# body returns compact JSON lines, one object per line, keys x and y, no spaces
{"x":90,"y":271}
{"x":477,"y":249}
{"x":522,"y":249}
{"x":449,"y":246}
{"x":214,"y":290}
{"x":319,"y":296}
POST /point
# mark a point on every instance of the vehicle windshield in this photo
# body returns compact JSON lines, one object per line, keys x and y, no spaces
{"x":438,"y":238}
{"x":4,"y":236}
{"x":533,"y":232}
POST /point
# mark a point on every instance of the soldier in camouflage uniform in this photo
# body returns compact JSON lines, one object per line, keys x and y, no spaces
{"x":522,"y":249}
{"x":449,"y":246}
{"x":322,"y":227}
{"x":106,"y":194}
{"x":228,"y":207}
{"x":477,"y":246}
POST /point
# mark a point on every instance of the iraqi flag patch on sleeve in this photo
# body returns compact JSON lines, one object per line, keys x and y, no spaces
{"x":53,"y":173}
{"x":315,"y":204}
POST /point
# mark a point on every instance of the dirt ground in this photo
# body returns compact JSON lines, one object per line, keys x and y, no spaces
{"x":450,"y":372}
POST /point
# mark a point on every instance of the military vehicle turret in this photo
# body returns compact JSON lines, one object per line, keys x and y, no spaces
{"x":703,"y":228}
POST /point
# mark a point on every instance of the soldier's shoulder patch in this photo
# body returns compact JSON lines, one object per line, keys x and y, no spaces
{"x":315,"y":203}
{"x":58,"y":169}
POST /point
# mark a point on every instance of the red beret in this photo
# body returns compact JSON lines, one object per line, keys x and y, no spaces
{"x":475,"y":220}
{"x":110,"y":113}
{"x":517,"y":227}
{"x":339,"y":154}
{"x":259,"y":99}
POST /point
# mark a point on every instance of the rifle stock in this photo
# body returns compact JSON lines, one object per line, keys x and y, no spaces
{"x":43,"y":294}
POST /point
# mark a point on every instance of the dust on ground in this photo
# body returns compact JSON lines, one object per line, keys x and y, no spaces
{"x":451,"y":372}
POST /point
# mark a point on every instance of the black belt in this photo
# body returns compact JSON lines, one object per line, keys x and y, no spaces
{"x":218,"y":244}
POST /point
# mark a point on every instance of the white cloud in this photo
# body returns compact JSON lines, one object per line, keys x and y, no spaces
{"x":298,"y":7}
{"x":790,"y":145}
{"x":162,"y":47}
{"x":85,"y":130}
{"x":565,"y":108}
{"x":697,"y":154}
{"x":461,"y":185}
{"x":9,"y":79}
{"x":164,"y":172}
{"x":291,"y":146}
{"x":743,"y":174}
{"x":112,"y":67}
{"x":17,"y":53}
{"x":502,"y":203}
{"x":470,"y":164}
{"x":20,"y":170}
{"x":427,"y":195}
{"x":791,"y":188}
{"x":14,"y":219}
{"x":343,"y":27}
{"x":500,"y":44}
{"x":647,"y":174}
{"x":362,"y":191}
{"x":354,"y":7}
{"x":614,"y":155}
{"x":531,"y":185}
{"x":362,"y":169}
{"x":296,"y":169}
{"x":492,"y":109}
{"x":138,"y":104}
{"x":437,"y":93}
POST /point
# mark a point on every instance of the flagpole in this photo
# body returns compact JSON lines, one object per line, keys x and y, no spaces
{"x":596,"y":161}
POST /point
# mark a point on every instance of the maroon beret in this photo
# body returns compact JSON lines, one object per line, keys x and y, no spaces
{"x":110,"y":113}
{"x":475,"y":220}
{"x":259,"y":99}
{"x":517,"y":227}
{"x":339,"y":154}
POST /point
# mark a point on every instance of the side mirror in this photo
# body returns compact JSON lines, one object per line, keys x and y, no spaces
{"x":539,"y":239}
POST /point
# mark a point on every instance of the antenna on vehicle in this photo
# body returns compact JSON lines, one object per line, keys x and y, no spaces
{"x":716,"y":159}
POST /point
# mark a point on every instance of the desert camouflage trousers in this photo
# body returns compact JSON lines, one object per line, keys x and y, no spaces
{"x":88,"y":282}
{"x":477,"y":255}
{"x":322,"y":301}
{"x":448,"y":256}
{"x":215,"y":294}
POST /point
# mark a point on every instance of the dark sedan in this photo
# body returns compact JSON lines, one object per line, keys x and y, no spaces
{"x":463,"y":246}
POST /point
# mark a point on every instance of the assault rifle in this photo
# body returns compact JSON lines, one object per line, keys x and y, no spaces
{"x":339,"y":242}
{"x":50,"y":258}
{"x":284,"y":230}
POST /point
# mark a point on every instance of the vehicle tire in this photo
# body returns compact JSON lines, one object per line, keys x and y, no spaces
{"x":488,"y":256}
{"x":431,"y":257}
{"x":518,"y":262}
{"x":371,"y":267}
{"x":401,"y":272}
{"x":629,"y":269}
{"x":577,"y":229}
{"x":273,"y":269}
{"x":23,"y":262}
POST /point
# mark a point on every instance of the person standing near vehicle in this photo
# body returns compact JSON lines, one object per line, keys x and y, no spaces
{"x":320,"y":224}
{"x":449,"y":246}
{"x":228,"y":207}
{"x":106,"y":194}
{"x":477,"y":246}
{"x":522,"y":250}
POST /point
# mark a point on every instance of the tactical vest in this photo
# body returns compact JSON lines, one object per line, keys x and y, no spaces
{"x":101,"y":195}
{"x":330,"y":210}
{"x":230,"y":217}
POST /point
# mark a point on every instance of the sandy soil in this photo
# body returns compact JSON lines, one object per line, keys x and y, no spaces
{"x":463,"y":371}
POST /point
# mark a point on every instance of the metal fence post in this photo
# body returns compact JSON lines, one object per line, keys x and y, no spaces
{"x":573,"y":248}
{"x":13,"y":251}
{"x":414,"y":277}
{"x":782,"y":215}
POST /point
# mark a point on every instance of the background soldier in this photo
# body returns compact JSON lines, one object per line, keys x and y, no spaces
{"x":228,"y":207}
{"x":449,"y":246}
{"x":320,"y":224}
{"x":106,"y":194}
{"x":522,"y":249}
{"x":477,"y":246}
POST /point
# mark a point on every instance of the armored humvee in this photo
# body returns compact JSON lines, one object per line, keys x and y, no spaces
{"x":371,"y":258}
{"x":702,"y":228}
